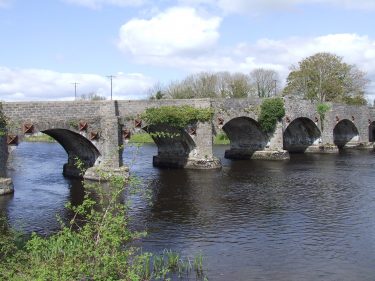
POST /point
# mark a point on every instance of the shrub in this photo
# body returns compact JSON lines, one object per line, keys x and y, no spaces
{"x":177,"y":116}
{"x":271,"y":110}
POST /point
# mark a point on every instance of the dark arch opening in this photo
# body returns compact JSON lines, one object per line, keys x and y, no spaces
{"x":245,"y":136}
{"x":345,"y":132}
{"x":174,"y":145}
{"x":300,"y":135}
{"x":75,"y":145}
{"x":371,"y":132}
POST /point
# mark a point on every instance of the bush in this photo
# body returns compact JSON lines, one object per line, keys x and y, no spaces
{"x":271,"y":110}
{"x":94,"y":245}
{"x":177,"y":116}
{"x":3,"y":121}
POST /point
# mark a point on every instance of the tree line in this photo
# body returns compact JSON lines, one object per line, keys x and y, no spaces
{"x":323,"y":77}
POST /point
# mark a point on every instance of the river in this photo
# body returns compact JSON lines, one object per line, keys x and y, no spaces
{"x":310,"y":218}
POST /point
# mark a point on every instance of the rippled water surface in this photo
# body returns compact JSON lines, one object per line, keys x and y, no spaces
{"x":310,"y":218}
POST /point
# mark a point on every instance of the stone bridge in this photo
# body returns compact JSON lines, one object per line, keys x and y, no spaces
{"x":95,"y":131}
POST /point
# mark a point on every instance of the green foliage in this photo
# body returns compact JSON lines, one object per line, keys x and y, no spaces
{"x":3,"y":121}
{"x":39,"y":138}
{"x":141,"y":138}
{"x":325,"y":77}
{"x":221,"y":138}
{"x":73,"y":124}
{"x":177,"y":116}
{"x":271,"y":110}
{"x":322,"y":109}
{"x":94,"y":245}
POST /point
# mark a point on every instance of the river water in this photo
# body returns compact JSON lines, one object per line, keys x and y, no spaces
{"x":310,"y":218}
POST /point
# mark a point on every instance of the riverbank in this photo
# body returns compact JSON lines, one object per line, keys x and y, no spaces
{"x":136,"y":138}
{"x":146,"y":138}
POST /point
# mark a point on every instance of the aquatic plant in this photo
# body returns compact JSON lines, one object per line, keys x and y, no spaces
{"x":94,"y":245}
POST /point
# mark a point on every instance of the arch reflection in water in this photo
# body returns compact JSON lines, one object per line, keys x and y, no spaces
{"x":246,"y":137}
{"x":345,"y":133}
{"x":301,"y":134}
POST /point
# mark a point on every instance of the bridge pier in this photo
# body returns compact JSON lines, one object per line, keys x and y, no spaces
{"x":110,"y":144}
{"x":189,"y":148}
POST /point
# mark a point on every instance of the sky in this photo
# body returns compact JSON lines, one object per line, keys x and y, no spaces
{"x":46,"y":46}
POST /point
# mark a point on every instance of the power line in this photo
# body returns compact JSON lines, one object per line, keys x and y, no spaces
{"x":75,"y":90}
{"x":111,"y":77}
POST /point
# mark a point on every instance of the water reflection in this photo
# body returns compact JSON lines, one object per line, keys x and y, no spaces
{"x":310,"y":218}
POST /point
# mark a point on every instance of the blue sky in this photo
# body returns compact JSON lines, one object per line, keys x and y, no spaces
{"x":47,"y":45}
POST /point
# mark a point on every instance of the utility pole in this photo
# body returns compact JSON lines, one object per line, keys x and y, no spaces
{"x":75,"y":90}
{"x":111,"y":77}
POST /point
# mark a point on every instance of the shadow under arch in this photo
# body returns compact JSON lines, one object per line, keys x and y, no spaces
{"x":371,"y":132}
{"x":75,"y":145}
{"x":245,"y":136}
{"x":174,"y":145}
{"x":344,"y":133}
{"x":301,"y":134}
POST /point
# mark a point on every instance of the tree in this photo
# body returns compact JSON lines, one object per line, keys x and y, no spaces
{"x":239,"y":86}
{"x":325,"y":77}
{"x":92,"y":96}
{"x":210,"y":85}
{"x":156,"y":92}
{"x":264,"y":82}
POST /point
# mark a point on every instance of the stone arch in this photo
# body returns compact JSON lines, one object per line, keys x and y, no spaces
{"x":344,"y":133}
{"x":301,"y":134}
{"x":174,"y":145}
{"x":75,"y":145}
{"x":371,"y":132}
{"x":245,"y":137}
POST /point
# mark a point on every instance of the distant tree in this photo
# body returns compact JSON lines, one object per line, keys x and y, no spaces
{"x":201,"y":85}
{"x":156,"y":92}
{"x":210,"y":85}
{"x":92,"y":96}
{"x":325,"y":77}
{"x":239,"y":86}
{"x":264,"y":82}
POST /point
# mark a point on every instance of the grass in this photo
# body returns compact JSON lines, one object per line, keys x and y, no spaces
{"x":141,"y":138}
{"x":39,"y":138}
{"x":220,"y":138}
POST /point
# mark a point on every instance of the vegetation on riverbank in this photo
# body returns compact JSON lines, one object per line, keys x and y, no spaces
{"x":3,"y":121}
{"x":220,"y":138}
{"x":96,"y":244}
{"x":39,"y":138}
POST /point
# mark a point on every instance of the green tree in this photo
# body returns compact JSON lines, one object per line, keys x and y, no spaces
{"x":325,"y":77}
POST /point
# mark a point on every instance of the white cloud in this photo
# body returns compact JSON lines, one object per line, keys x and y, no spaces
{"x":274,"y":54}
{"x":256,"y":6}
{"x":280,"y":54}
{"x":97,"y":4}
{"x":42,"y":84}
{"x":176,"y":31}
